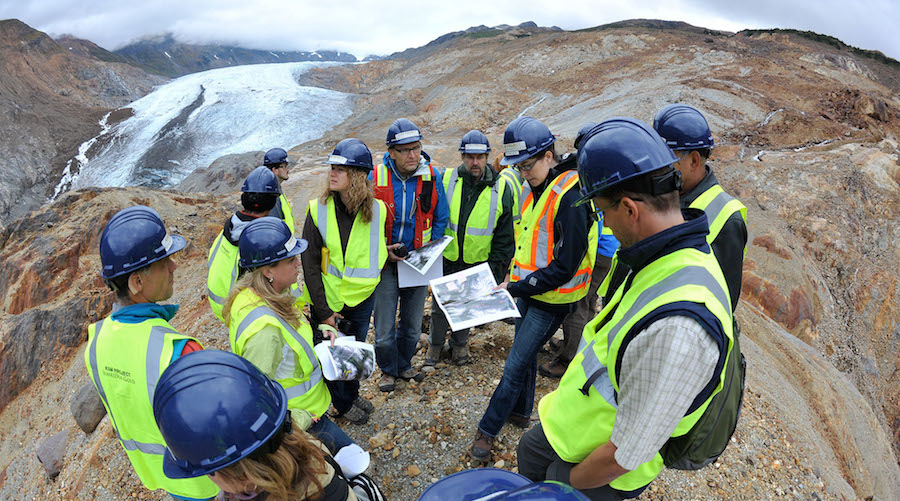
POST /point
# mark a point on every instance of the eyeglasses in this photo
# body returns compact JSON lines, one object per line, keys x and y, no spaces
{"x":407,"y":151}
{"x":523,"y":167}
{"x":598,"y":213}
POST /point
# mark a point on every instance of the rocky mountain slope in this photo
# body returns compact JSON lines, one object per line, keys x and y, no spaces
{"x":808,"y":136}
{"x":51,"y":100}
{"x":163,"y":55}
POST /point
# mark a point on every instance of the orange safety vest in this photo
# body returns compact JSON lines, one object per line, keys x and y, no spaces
{"x":384,"y":190}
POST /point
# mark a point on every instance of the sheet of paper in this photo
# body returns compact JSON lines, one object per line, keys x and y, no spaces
{"x":468,"y":298}
{"x":407,"y":276}
{"x":424,"y":257}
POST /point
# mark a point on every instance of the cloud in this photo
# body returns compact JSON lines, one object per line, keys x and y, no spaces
{"x":374,"y":27}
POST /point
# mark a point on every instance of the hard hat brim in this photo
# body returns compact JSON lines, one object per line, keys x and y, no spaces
{"x":505,"y":160}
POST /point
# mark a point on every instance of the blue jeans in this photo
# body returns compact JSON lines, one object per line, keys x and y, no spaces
{"x":515,"y":393}
{"x":333,"y":437}
{"x":344,"y":393}
{"x":395,"y":345}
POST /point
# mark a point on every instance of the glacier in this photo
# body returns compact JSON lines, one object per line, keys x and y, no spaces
{"x":189,"y":122}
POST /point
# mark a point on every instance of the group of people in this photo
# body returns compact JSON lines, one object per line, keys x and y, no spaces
{"x":549,"y":227}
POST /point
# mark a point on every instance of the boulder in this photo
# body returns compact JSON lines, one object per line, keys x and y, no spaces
{"x":87,"y":408}
{"x":51,"y":453}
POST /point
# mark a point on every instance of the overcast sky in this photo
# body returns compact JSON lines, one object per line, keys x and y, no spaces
{"x":365,"y":27}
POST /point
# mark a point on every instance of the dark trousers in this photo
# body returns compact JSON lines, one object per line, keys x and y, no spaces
{"x":574,"y":324}
{"x":539,"y":462}
{"x":344,"y":393}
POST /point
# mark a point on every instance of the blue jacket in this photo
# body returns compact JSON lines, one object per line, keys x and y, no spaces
{"x":606,"y":244}
{"x":405,"y":197}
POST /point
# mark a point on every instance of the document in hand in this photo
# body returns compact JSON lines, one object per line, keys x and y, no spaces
{"x":468,"y":298}
{"x":423,"y":264}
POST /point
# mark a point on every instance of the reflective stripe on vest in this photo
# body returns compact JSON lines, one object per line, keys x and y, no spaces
{"x":573,"y":411}
{"x":315,"y":375}
{"x":476,"y":243}
{"x":513,"y":179}
{"x":384,"y":191}
{"x":215,"y":269}
{"x":718,"y":206}
{"x":374,"y":268}
{"x":287,"y":212}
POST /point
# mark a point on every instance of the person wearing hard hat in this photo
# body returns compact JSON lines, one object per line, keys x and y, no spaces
{"x":128,"y":350}
{"x":224,"y":421}
{"x":587,"y":307}
{"x":550,"y":273}
{"x":268,"y":328}
{"x":277,"y":160}
{"x":342,"y":266}
{"x":654,"y":359}
{"x":481,"y":225}
{"x":497,"y":485}
{"x":258,"y":195}
{"x":417,"y":212}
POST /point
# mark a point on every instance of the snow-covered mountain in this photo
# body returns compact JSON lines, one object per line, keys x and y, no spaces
{"x":195,"y":119}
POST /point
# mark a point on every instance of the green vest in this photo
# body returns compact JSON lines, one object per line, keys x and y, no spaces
{"x":222,"y":271}
{"x":513,"y":179}
{"x":304,"y":384}
{"x":718,"y":206}
{"x":287,"y":212}
{"x":481,"y":222}
{"x":535,"y":241}
{"x":578,"y":417}
{"x":124,"y":362}
{"x":349,"y":278}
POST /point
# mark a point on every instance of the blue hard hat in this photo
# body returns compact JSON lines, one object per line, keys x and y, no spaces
{"x":617,"y":150}
{"x":214,"y":408}
{"x":268,"y":240}
{"x":474,"y":142}
{"x":683,"y":128}
{"x":351,"y":152}
{"x":582,"y":131}
{"x":473,"y":484}
{"x":261,"y":180}
{"x":524,"y":138}
{"x":275,"y":156}
{"x":133,"y":238}
{"x":544,"y":491}
{"x":402,"y":131}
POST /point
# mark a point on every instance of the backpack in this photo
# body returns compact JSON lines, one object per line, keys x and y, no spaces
{"x":365,"y":488}
{"x":709,"y":437}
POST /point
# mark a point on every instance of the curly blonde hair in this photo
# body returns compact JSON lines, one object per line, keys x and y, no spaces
{"x":360,"y":196}
{"x":283,"y":303}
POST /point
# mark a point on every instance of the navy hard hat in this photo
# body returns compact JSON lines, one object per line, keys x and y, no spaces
{"x":351,"y":152}
{"x":214,"y":408}
{"x":618,"y":150}
{"x":402,"y":131}
{"x":524,"y":138}
{"x":261,"y":180}
{"x":544,"y":491}
{"x":133,"y":238}
{"x":474,"y":484}
{"x":474,"y":142}
{"x":275,"y":156}
{"x":683,"y":128}
{"x":267,"y":240}
{"x":583,"y":131}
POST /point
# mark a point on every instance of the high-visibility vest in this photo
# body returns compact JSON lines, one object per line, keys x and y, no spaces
{"x":513,"y":180}
{"x":287,"y":212}
{"x":222,"y":272}
{"x":481,"y":222}
{"x":124,"y":362}
{"x":718,"y":206}
{"x":303,"y":381}
{"x":579,"y":415}
{"x":350,"y":276}
{"x":535,"y":242}
{"x":383,"y":184}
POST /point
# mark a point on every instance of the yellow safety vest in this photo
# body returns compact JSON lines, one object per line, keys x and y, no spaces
{"x":124,"y":362}
{"x":718,"y":206}
{"x":287,"y":212}
{"x":513,"y":179}
{"x":535,"y":241}
{"x":579,"y":415}
{"x":350,"y":277}
{"x":481,"y":222}
{"x":222,"y":272}
{"x":305,"y":386}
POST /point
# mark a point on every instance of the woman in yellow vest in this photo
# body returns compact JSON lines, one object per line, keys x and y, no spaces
{"x":551,"y":270}
{"x":347,"y":249}
{"x":267,"y":327}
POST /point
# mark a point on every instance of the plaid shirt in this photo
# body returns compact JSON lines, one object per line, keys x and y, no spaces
{"x":664,"y":368}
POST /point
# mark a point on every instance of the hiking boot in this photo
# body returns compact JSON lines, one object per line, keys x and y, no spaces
{"x":356,"y":415}
{"x":412,"y":374}
{"x":434,"y":354}
{"x":554,"y":369}
{"x":386,"y":383}
{"x":460,"y":356}
{"x":364,"y":404}
{"x":481,"y":447}
{"x":556,"y":344}
{"x":519,"y":421}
